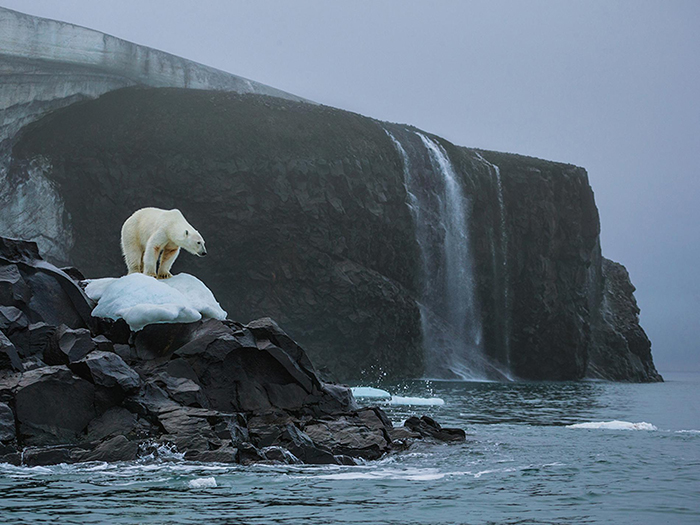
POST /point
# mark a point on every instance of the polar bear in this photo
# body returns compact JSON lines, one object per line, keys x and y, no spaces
{"x":152,"y":234}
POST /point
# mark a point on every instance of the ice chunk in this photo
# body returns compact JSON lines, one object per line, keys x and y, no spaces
{"x":96,"y":287}
{"x":202,"y":483}
{"x":614,"y":425}
{"x":199,"y":296}
{"x":417,"y":401}
{"x":386,"y":397}
{"x":142,"y":300}
{"x":368,"y":391}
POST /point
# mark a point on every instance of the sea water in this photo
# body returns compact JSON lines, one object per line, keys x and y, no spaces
{"x":586,"y":452}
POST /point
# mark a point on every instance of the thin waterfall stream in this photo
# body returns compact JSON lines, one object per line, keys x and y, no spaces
{"x":504,"y":256}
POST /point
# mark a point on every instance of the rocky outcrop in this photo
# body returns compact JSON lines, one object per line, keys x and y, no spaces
{"x":306,"y":213}
{"x":76,"y":388}
{"x":621,"y":349}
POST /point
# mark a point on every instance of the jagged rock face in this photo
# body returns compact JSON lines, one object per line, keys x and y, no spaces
{"x":621,"y":350}
{"x":304,"y":210}
{"x":551,"y":267}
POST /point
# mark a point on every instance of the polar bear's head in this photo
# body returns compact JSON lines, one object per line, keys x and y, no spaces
{"x":194,"y":243}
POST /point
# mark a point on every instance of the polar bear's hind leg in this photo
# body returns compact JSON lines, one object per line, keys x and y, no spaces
{"x":166,"y":262}
{"x":133,"y":261}
{"x":133,"y":257}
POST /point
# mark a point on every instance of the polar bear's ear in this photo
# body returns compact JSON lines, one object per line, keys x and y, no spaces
{"x":186,"y":233}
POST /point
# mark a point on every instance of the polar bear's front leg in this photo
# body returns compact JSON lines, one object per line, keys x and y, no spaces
{"x":150,"y":256}
{"x":166,"y":262}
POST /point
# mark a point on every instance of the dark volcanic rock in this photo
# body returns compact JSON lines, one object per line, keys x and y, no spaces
{"x":7,"y":423}
{"x":361,"y":434}
{"x":429,"y":428}
{"x":115,"y":421}
{"x":42,"y":291}
{"x":12,"y":319}
{"x":38,"y":339}
{"x":9,"y":358}
{"x":107,"y":370}
{"x":70,"y":346}
{"x":34,"y":456}
{"x":53,"y":406}
{"x":118,"y":448}
{"x":622,"y":350}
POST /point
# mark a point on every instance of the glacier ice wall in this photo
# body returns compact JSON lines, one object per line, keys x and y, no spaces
{"x":46,"y":65}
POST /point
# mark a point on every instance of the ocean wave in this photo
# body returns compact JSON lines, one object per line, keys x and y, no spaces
{"x":614,"y":425}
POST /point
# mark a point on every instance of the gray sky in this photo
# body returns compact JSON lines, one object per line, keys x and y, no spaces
{"x":613,"y":86}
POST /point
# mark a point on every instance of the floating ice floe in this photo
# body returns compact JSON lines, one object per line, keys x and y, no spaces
{"x":142,"y":300}
{"x":202,"y":483}
{"x":614,"y":425}
{"x":368,"y":391}
{"x":386,"y":397}
{"x":419,"y":401}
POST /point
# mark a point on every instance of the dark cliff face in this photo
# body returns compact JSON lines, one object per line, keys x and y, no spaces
{"x":304,"y":210}
{"x":551,"y":267}
{"x":621,"y":350}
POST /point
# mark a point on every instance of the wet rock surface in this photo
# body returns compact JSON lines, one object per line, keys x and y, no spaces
{"x":215,"y":390}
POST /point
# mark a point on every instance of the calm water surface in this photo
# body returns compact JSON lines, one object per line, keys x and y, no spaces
{"x":520,"y":464}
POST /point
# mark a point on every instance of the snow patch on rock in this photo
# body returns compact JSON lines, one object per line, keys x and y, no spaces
{"x":142,"y":300}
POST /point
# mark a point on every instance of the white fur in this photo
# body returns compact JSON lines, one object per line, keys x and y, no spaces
{"x":152,"y":234}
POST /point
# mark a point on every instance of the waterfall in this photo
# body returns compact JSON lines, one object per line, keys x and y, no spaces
{"x":450,"y":317}
{"x":504,"y":257}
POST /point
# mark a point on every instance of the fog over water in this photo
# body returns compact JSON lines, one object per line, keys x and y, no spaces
{"x":613,"y":86}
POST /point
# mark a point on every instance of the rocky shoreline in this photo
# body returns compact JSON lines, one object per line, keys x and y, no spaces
{"x":75,"y":388}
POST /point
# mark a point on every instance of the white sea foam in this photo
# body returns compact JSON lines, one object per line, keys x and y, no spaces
{"x":413,"y":474}
{"x":614,"y":425}
{"x":202,"y":483}
{"x":142,"y":300}
{"x":368,"y":391}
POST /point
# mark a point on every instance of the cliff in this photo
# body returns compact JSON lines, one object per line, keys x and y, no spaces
{"x":385,"y":251}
